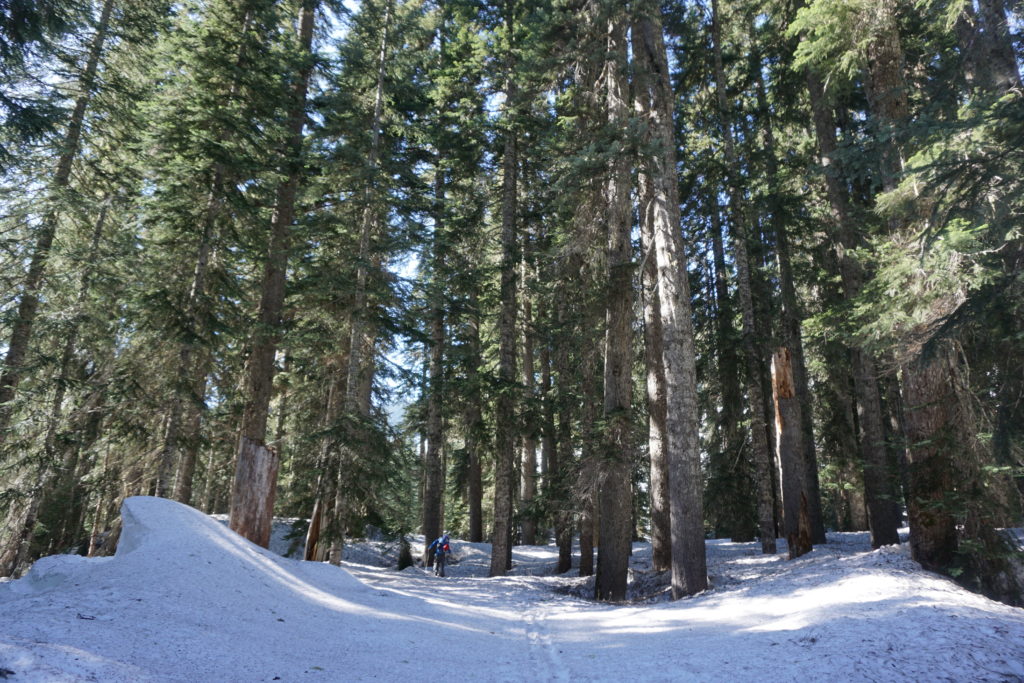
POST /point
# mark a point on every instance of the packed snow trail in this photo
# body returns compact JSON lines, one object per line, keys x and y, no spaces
{"x":185,"y":599}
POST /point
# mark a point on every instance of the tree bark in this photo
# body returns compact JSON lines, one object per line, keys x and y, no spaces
{"x":433,"y":465}
{"x":528,"y":488}
{"x":563,"y":452}
{"x":547,"y":409}
{"x":323,"y":520}
{"x":755,"y":397}
{"x":840,"y":423}
{"x":886,"y":90}
{"x":587,"y":489}
{"x":657,"y":406}
{"x":254,"y":486}
{"x":28,"y":304}
{"x":192,"y":436}
{"x":685,"y":482}
{"x":615,"y":489}
{"x":433,"y":472}
{"x":931,"y":423}
{"x":792,"y":317}
{"x":474,"y":425}
{"x":657,"y":440}
{"x":505,"y":418}
{"x":789,"y":434}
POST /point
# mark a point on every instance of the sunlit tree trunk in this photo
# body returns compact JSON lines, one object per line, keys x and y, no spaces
{"x":505,"y":418}
{"x":254,"y":486}
{"x":657,"y":441}
{"x":685,"y":482}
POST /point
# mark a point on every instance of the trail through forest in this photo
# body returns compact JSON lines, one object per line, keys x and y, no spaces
{"x":185,"y":599}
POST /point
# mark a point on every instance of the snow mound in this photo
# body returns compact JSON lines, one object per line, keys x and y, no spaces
{"x":182,"y":591}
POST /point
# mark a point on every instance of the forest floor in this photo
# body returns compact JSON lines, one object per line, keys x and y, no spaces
{"x":185,"y":599}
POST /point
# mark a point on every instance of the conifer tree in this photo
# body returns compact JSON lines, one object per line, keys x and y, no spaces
{"x":653,"y":91}
{"x":253,"y":490}
{"x":17,"y":346}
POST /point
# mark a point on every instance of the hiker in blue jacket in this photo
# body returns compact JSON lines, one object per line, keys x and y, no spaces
{"x":441,"y":548}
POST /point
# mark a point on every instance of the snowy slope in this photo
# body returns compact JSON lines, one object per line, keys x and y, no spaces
{"x":185,"y":599}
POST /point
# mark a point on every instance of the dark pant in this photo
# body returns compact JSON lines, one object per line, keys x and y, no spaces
{"x":439,"y":560}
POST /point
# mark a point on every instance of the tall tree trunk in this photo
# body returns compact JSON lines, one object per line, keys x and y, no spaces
{"x":730,"y":465}
{"x":255,"y":482}
{"x":755,"y":397}
{"x":589,"y":448}
{"x":28,"y":304}
{"x":528,"y":488}
{"x":361,"y":341}
{"x":323,"y":522}
{"x":359,"y":380}
{"x":791,"y":316}
{"x":505,"y":418}
{"x":474,"y":425}
{"x":192,"y":434}
{"x":433,"y":471}
{"x":931,"y":423}
{"x":433,"y":465}
{"x":886,"y":90}
{"x":840,"y":428}
{"x":879,"y":481}
{"x":614,"y":473}
{"x":789,"y":434}
{"x":689,"y":567}
{"x":562,"y":453}
{"x":319,"y":522}
{"x":657,"y":408}
{"x":548,"y":456}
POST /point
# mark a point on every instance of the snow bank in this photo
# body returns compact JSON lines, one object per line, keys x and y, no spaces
{"x":186,"y":599}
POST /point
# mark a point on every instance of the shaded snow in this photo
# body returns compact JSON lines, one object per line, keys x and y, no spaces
{"x":185,"y":599}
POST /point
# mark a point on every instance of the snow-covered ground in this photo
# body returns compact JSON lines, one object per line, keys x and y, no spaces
{"x":185,"y":599}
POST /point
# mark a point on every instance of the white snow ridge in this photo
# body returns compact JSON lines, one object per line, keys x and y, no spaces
{"x":186,"y":599}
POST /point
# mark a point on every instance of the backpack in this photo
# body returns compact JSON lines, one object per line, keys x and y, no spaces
{"x":444,"y":544}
